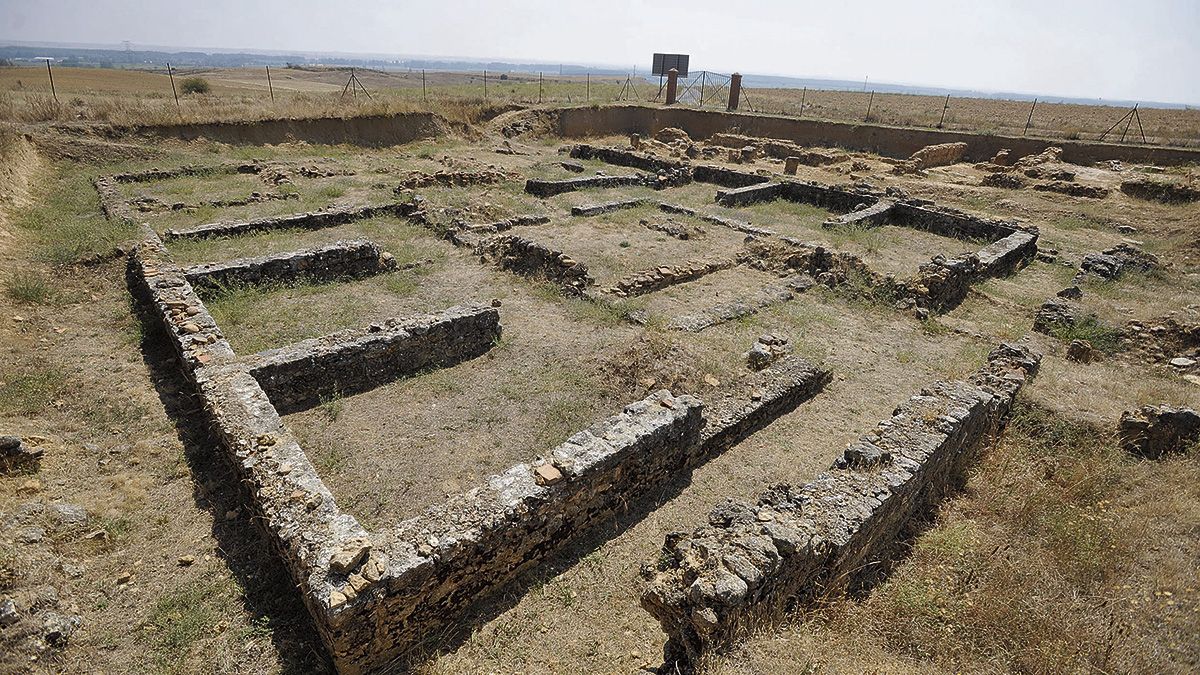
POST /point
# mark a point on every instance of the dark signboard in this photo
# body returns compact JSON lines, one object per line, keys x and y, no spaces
{"x":665,"y":62}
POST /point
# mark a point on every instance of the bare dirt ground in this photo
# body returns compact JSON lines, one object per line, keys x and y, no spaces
{"x":1061,"y":540}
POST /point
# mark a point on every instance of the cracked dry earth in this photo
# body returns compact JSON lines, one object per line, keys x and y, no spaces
{"x":130,"y":548}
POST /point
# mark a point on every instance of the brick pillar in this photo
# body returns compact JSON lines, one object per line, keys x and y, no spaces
{"x":735,"y":90}
{"x":672,"y":85}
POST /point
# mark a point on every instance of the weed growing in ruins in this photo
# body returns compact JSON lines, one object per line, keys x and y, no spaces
{"x":29,"y":392}
{"x":1101,"y":336}
{"x":184,"y":617}
{"x":28,"y":287}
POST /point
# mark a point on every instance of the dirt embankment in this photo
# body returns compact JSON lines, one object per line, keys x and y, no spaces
{"x":18,"y":163}
{"x":894,"y":142}
{"x":375,"y":131}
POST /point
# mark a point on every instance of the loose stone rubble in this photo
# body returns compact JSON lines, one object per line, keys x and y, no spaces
{"x":1115,"y":261}
{"x":1073,"y":189}
{"x":16,"y":455}
{"x":767,"y":349}
{"x":798,"y":544}
{"x":780,"y":149}
{"x":930,"y":156}
{"x":1156,"y":431}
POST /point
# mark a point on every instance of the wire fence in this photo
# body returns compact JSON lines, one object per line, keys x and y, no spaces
{"x":73,"y":93}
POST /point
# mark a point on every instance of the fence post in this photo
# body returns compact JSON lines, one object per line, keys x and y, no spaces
{"x":539,"y":88}
{"x":171,"y":75}
{"x":588,"y":95}
{"x":424,"y":95}
{"x":51,"y":74}
{"x":485,"y":85}
{"x":269,"y":85}
{"x":1030,"y":120}
{"x":735,"y":91}
{"x":870,"y":101}
{"x":944,"y":109}
{"x":803,"y":96}
{"x":672,"y":85}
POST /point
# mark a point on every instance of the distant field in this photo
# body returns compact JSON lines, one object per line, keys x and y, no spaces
{"x":136,"y":96}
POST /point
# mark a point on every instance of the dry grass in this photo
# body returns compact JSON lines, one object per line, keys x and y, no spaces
{"x":145,"y":97}
{"x":1055,"y":560}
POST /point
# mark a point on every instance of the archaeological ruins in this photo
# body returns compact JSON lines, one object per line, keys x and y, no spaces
{"x":522,"y":266}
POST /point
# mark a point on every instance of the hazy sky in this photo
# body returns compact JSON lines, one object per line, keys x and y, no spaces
{"x":1127,"y":49}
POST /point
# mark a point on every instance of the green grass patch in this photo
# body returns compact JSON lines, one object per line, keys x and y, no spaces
{"x":183,"y":618}
{"x":30,"y":391}
{"x":1100,"y":335}
{"x":29,"y":288}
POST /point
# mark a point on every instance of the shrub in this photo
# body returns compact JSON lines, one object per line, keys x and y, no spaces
{"x":195,"y":85}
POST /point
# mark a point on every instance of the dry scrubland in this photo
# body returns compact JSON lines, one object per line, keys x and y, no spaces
{"x":1064,"y":554}
{"x":141,"y":97}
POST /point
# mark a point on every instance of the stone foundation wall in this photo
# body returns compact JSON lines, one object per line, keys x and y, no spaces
{"x":750,"y":194}
{"x":529,"y":258}
{"x":798,"y":544}
{"x":301,"y":375}
{"x":339,"y":260}
{"x":152,"y":175}
{"x":440,"y":561}
{"x":445,"y":558}
{"x":949,"y":222}
{"x":550,"y":188}
{"x":112,"y":202}
{"x":633,"y":160}
{"x":730,"y":178}
{"x":312,"y":220}
{"x":658,"y":278}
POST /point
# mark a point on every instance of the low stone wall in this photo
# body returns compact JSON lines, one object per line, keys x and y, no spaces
{"x":874,"y":215}
{"x":444,"y":559}
{"x":529,"y":258}
{"x":151,"y":175}
{"x":949,"y":222}
{"x":303,"y":374}
{"x":730,"y":178}
{"x":440,"y":561}
{"x":633,"y":160}
{"x":550,"y":188}
{"x":609,"y":207}
{"x":1005,"y":255}
{"x":339,"y":260}
{"x":112,"y":202}
{"x":826,"y":196}
{"x":658,"y":278}
{"x":750,"y":194}
{"x":796,"y":545}
{"x":930,"y":156}
{"x":312,"y":220}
